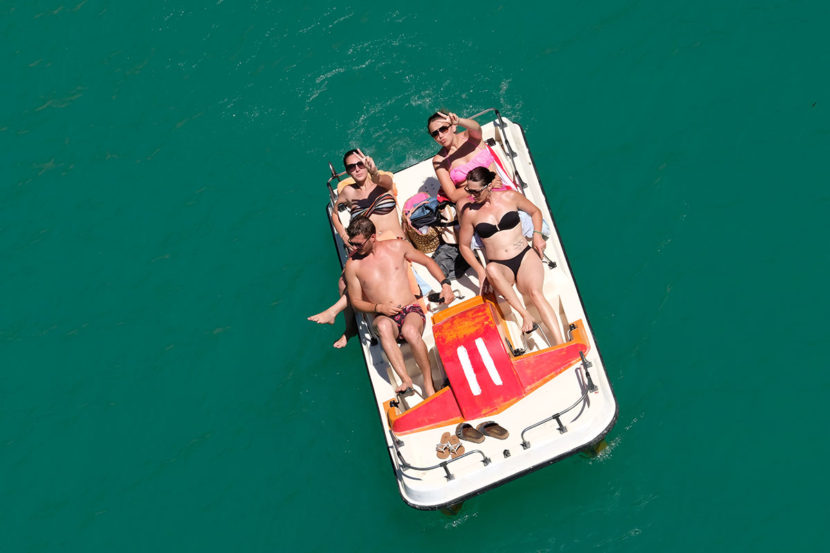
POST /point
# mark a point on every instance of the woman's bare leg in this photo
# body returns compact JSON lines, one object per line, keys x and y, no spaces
{"x":530,"y":283}
{"x":327,"y":316}
{"x":502,"y":280}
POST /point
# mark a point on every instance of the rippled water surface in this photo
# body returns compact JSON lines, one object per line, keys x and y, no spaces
{"x":163,"y":239}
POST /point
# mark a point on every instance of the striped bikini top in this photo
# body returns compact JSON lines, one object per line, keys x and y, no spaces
{"x":367,"y":207}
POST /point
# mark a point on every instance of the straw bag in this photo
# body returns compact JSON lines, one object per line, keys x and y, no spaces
{"x":427,"y":242}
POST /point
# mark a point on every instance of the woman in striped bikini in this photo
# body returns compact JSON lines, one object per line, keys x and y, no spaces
{"x":370,"y":195}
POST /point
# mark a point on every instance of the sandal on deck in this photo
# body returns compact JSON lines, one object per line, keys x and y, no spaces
{"x":493,"y":429}
{"x":466,"y":431}
{"x":442,"y":450}
{"x":456,"y":448}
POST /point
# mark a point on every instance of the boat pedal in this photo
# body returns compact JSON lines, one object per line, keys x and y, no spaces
{"x":506,"y":453}
{"x":513,"y":351}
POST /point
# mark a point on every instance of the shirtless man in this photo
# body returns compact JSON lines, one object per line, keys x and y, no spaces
{"x":376,"y":276}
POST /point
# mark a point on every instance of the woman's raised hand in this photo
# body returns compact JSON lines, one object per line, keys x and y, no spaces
{"x":450,"y":118}
{"x":368,"y":162}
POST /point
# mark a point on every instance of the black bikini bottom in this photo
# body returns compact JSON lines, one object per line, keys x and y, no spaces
{"x":513,"y":263}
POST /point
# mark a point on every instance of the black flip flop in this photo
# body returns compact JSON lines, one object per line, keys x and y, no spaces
{"x":466,"y":431}
{"x":532,"y":330}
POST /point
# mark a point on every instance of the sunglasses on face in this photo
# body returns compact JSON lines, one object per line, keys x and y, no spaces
{"x":357,"y":245}
{"x":474,"y":191}
{"x":439,"y":130}
{"x":353,"y":166}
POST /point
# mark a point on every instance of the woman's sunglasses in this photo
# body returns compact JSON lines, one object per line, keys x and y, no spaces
{"x":353,"y":166}
{"x":439,"y":130}
{"x":475,"y":191}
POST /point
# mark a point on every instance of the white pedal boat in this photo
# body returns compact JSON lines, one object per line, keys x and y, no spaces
{"x":554,"y":401}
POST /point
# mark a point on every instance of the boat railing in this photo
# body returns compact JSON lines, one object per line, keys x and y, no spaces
{"x":334,"y":175}
{"x":586,"y":387}
{"x":404,"y":465}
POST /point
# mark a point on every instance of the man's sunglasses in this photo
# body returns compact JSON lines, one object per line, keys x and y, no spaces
{"x":440,"y":130}
{"x":353,"y":166}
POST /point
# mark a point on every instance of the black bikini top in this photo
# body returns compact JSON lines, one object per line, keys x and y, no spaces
{"x":508,"y":221}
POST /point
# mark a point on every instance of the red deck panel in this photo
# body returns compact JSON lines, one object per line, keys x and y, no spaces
{"x":478,"y":366}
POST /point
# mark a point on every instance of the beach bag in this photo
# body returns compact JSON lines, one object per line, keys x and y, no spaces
{"x":427,"y":241}
{"x":420,"y":212}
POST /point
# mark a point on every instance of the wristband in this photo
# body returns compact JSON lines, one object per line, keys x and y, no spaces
{"x":539,"y":232}
{"x":446,"y":281}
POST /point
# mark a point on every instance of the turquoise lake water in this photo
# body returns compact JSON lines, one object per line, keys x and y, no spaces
{"x":163,"y":239}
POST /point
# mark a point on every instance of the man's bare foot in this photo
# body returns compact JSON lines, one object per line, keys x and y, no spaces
{"x":342,"y":341}
{"x":405,"y":385}
{"x":428,"y":390}
{"x":324,"y":318}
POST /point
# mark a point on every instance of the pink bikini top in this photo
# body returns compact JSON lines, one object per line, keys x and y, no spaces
{"x":483,"y":158}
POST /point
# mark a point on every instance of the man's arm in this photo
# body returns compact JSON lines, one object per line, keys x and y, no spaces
{"x":415,"y":256}
{"x":355,"y":290}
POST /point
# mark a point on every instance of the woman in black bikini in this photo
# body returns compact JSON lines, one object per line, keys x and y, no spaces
{"x":494,"y":216}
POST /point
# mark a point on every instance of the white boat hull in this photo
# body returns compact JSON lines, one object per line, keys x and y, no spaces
{"x":581,"y":392}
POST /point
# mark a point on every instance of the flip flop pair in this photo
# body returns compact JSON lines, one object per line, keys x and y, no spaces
{"x":450,"y":446}
{"x":492,"y":429}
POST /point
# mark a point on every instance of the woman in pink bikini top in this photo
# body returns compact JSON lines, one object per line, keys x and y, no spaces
{"x":460,"y":153}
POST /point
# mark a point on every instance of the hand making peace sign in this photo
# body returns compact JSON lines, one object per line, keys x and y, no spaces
{"x":368,"y":163}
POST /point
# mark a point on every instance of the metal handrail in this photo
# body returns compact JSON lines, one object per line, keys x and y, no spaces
{"x":583,"y":398}
{"x":396,"y":442}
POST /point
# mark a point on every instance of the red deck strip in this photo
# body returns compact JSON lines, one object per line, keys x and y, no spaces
{"x":440,"y":409}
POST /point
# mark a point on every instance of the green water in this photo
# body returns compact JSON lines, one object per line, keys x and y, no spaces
{"x":163,"y":239}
